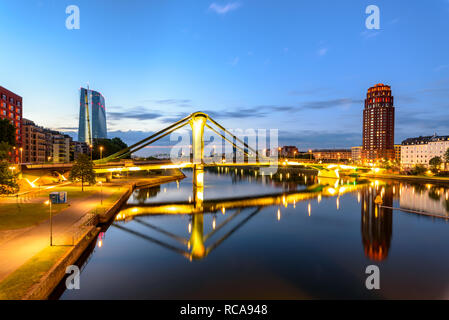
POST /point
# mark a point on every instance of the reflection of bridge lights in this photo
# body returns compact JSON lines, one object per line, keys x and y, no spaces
{"x":223,"y":210}
{"x":309,"y":209}
{"x":214,"y":223}
{"x":319,"y":198}
{"x":190,"y":199}
{"x":279,"y":214}
{"x":358,"y":197}
{"x":338,"y":203}
{"x":294,"y":204}
{"x":190,"y":227}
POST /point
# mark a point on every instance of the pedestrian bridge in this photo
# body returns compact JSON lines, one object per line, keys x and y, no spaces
{"x":198,"y":122}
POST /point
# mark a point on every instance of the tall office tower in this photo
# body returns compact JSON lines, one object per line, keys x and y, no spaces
{"x":11,"y":109}
{"x":378,"y":125}
{"x":92,"y":121}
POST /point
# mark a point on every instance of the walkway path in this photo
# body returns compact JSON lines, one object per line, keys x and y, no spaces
{"x":16,"y":251}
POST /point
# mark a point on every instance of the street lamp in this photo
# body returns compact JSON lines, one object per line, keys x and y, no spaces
{"x":101,"y":152}
{"x":48,"y":203}
{"x":21,"y":149}
{"x":90,"y":146}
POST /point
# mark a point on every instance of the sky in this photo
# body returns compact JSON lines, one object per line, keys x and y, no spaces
{"x":302,"y":67}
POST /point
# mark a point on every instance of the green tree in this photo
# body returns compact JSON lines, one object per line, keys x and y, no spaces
{"x":8,"y":178}
{"x":418,"y":170}
{"x":446,"y":156}
{"x":5,"y":148}
{"x":83,"y":169}
{"x":435,"y":164}
{"x":110,"y":146}
{"x":7,"y":132}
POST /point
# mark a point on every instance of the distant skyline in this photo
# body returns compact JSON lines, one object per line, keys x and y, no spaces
{"x":302,"y":67}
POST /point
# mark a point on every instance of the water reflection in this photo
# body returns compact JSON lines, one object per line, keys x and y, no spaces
{"x":377,"y":223}
{"x":272,"y":237}
{"x":195,"y":247}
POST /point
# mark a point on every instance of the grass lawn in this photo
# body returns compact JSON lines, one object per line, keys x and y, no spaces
{"x":15,"y":286}
{"x":21,"y":215}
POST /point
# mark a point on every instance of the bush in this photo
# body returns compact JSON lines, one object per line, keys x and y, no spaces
{"x":418,"y":170}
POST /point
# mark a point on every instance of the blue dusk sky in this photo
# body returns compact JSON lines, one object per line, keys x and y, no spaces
{"x":302,"y":67}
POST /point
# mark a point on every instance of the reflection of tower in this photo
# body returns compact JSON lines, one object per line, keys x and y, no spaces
{"x":377,"y":223}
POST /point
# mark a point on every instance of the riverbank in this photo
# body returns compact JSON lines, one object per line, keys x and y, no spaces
{"x":410,"y":179}
{"x":30,"y":268}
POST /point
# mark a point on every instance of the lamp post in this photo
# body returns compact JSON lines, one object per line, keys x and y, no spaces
{"x":101,"y":152}
{"x":90,"y":146}
{"x":48,"y":202}
{"x":21,"y":150}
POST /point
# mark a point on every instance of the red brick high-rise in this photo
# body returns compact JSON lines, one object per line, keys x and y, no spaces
{"x":11,"y":109}
{"x":378,"y":125}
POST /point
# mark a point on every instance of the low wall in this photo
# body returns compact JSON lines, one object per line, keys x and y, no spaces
{"x":53,"y":277}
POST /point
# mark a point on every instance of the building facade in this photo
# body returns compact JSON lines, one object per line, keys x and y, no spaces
{"x":92,"y":117}
{"x":397,"y":153}
{"x":356,"y":153}
{"x":289,"y":151}
{"x":421,"y":149}
{"x":61,"y":148}
{"x":42,"y":145}
{"x":34,"y":143}
{"x":332,"y":154}
{"x":11,"y":107}
{"x":378,"y":125}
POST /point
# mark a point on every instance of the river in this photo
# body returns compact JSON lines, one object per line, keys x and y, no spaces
{"x":293,"y":236}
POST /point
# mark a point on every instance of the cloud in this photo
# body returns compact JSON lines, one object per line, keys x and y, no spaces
{"x":441,"y":67}
{"x":223,"y":9}
{"x":138,"y":113}
{"x":320,"y":139}
{"x":322,"y":52}
{"x":235,"y":61}
{"x":369,"y":34}
{"x":326,"y":104}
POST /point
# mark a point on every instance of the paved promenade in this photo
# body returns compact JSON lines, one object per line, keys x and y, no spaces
{"x":17,"y":250}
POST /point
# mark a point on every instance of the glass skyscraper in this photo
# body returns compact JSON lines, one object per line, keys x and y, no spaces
{"x":92,"y":121}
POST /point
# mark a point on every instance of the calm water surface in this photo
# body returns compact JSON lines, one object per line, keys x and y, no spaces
{"x":290,"y":237}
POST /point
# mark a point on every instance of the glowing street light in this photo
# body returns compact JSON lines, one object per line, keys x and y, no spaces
{"x":101,"y":152}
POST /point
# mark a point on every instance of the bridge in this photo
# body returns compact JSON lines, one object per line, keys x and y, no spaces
{"x":198,"y":122}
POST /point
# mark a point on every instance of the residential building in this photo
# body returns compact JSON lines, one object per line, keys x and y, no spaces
{"x":421,"y":149}
{"x":332,"y":154}
{"x":61,"y":148}
{"x":289,"y":151}
{"x":378,"y":125}
{"x":11,"y":108}
{"x":356,"y":153}
{"x":34,"y":142}
{"x":397,"y":153}
{"x":78,"y":148}
{"x":92,"y":117}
